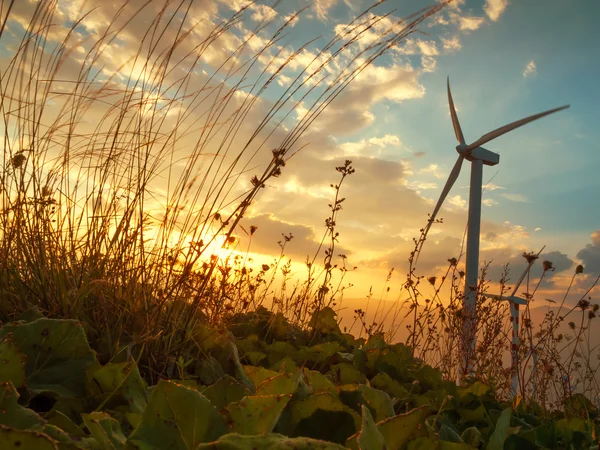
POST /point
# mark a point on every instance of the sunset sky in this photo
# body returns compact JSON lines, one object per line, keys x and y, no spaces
{"x":505,"y":59}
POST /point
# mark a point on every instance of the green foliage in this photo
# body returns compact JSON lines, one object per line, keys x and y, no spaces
{"x":382,"y":399}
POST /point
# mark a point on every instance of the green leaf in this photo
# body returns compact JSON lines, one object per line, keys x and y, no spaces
{"x":317,"y":381}
{"x":501,"y":431}
{"x":105,"y":429}
{"x":320,"y":416}
{"x":424,"y":443}
{"x":14,"y":415}
{"x":225,"y":391}
{"x":57,"y":352}
{"x":256,"y":414}
{"x":471,"y":436}
{"x":325,"y":321}
{"x":259,"y":374}
{"x":448,"y":434}
{"x":285,"y":364}
{"x":66,"y":441}
{"x":122,"y":380}
{"x":387,"y":384}
{"x":284,"y":383}
{"x":369,"y":437}
{"x":516,"y":442}
{"x":269,"y":442}
{"x":64,"y":422}
{"x":356,"y":395}
{"x":398,"y":430}
{"x":346,"y":373}
{"x":12,"y":362}
{"x":12,"y":438}
{"x":176,"y":417}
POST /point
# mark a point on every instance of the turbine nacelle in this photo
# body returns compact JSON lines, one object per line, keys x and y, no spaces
{"x":489,"y":158}
{"x":470,"y":154}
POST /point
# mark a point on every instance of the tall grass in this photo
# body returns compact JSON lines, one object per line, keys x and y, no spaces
{"x":126,"y":169}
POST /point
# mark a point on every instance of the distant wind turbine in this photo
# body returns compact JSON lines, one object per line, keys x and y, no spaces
{"x":478,"y":156}
{"x":515,"y":302}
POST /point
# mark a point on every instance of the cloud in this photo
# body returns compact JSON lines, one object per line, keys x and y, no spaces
{"x":498,"y":258}
{"x":530,"y":69}
{"x":322,"y":7}
{"x":451,"y":44}
{"x":515,"y":198}
{"x":457,"y":200}
{"x":495,"y":8}
{"x":428,"y":64}
{"x":470,"y":23}
{"x":270,"y":231}
{"x":590,"y":255}
{"x":432,"y":169}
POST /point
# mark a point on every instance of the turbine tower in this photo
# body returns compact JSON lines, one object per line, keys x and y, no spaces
{"x":478,"y":156}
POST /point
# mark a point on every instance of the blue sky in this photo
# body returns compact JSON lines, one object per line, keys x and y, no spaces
{"x":505,"y":59}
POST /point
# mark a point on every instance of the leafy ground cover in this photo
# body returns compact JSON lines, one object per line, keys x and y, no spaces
{"x":262,"y":383}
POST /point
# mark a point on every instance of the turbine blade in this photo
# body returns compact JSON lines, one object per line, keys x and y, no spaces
{"x":449,"y":183}
{"x":455,"y":123}
{"x":511,"y":126}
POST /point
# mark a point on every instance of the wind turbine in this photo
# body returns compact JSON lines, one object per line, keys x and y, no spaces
{"x":515,"y":302}
{"x":478,"y":156}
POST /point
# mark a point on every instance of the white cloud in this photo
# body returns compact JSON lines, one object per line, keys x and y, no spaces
{"x":292,"y":19}
{"x":432,"y":169}
{"x":489,"y":202}
{"x":470,"y":23}
{"x":492,"y":187}
{"x":538,"y":229}
{"x":530,"y":69}
{"x":452,"y":44}
{"x":515,"y":198}
{"x":372,"y":146}
{"x":457,"y":200}
{"x":322,"y":7}
{"x":263,"y":13}
{"x":495,"y":8}
{"x":428,"y":64}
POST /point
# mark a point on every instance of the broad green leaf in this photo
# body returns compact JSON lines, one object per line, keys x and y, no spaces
{"x":284,"y":383}
{"x":317,"y":381}
{"x":121,"y":380}
{"x":320,"y":416}
{"x":256,"y":414}
{"x":57,"y":352}
{"x":12,"y":362}
{"x":13,"y":438}
{"x":64,"y":422}
{"x":14,"y":415}
{"x":258,"y":374}
{"x":325,"y":321}
{"x":225,"y":391}
{"x":448,"y":434}
{"x":369,"y":437}
{"x":105,"y":429}
{"x":398,"y":430}
{"x":271,"y":441}
{"x":501,"y":431}
{"x":176,"y":418}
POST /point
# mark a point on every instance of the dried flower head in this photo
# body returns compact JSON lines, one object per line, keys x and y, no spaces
{"x":530,"y":257}
{"x":578,"y":269}
{"x":18,"y":160}
{"x":548,"y":266}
